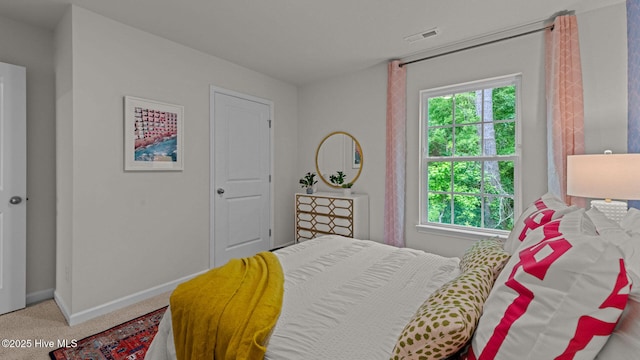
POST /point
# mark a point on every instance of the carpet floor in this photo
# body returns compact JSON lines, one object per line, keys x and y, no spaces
{"x":45,"y":323}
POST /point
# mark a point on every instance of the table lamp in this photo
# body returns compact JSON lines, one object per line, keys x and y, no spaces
{"x":605,"y":176}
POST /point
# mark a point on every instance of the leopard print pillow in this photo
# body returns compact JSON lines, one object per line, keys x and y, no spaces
{"x":447,"y":319}
{"x":486,"y":252}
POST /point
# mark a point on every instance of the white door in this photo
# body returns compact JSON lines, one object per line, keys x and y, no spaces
{"x":240,"y":189}
{"x":13,"y":187}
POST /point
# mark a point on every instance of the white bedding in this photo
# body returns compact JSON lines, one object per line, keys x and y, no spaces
{"x":343,"y":299}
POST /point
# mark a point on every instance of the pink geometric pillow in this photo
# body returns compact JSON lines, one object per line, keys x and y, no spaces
{"x":575,"y":222}
{"x":558,"y":298}
{"x":631,"y":221}
{"x":545,"y":209}
{"x":624,"y":343}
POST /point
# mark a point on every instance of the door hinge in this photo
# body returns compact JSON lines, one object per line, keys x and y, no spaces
{"x":269,"y":121}
{"x":269,"y":177}
{"x":269,"y":232}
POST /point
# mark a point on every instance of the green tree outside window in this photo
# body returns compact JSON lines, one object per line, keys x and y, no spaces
{"x":470,"y":155}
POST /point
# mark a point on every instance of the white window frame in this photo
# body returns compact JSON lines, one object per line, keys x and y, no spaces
{"x":423,"y":223}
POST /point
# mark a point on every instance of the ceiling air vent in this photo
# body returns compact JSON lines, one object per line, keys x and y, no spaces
{"x":421,"y":35}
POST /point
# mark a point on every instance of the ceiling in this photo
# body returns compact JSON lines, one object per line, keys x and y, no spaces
{"x":301,"y":41}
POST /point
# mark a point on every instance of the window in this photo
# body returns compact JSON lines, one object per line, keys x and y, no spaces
{"x":470,"y":155}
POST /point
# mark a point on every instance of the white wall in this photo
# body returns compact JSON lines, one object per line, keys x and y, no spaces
{"x":64,"y":159}
{"x":131,"y":231}
{"x":357,"y":104}
{"x":32,"y":48}
{"x":603,"y":52}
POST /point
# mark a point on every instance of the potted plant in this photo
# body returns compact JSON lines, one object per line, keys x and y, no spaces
{"x":338,"y":180}
{"x":308,"y":181}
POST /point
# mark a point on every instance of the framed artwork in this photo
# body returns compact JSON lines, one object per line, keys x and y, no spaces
{"x":152,"y":135}
{"x":357,"y":155}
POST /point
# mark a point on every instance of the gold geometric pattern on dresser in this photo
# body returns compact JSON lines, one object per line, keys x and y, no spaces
{"x":318,"y":215}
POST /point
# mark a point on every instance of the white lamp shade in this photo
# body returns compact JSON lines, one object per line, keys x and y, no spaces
{"x":606,"y":176}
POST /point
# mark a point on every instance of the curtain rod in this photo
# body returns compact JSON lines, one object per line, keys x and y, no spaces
{"x":477,"y":45}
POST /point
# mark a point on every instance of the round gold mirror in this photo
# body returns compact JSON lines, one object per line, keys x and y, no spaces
{"x":339,"y":153}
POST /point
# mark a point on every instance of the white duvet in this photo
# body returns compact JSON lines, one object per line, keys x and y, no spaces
{"x":343,"y":299}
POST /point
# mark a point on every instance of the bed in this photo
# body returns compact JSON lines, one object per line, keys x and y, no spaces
{"x":332,"y":282}
{"x":560,"y":286}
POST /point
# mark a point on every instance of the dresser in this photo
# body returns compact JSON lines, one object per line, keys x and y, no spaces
{"x":326,"y":213}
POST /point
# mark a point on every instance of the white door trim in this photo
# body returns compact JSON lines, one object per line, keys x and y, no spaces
{"x":212,"y":186}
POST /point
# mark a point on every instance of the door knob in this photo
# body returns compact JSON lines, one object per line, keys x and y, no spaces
{"x":15,"y":200}
{"x":220,"y":191}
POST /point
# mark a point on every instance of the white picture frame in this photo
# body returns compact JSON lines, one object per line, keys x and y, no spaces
{"x":153,"y":135}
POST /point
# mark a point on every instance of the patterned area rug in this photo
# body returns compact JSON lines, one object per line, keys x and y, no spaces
{"x":127,"y":341}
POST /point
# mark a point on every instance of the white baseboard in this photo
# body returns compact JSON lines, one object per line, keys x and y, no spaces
{"x":82,"y":316}
{"x":62,"y":305}
{"x":38,"y":296}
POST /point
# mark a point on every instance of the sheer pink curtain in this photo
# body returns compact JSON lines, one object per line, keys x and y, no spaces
{"x":565,"y":110}
{"x":395,"y":156}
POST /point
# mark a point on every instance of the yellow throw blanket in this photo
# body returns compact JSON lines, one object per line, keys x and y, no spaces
{"x":228,"y":312}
